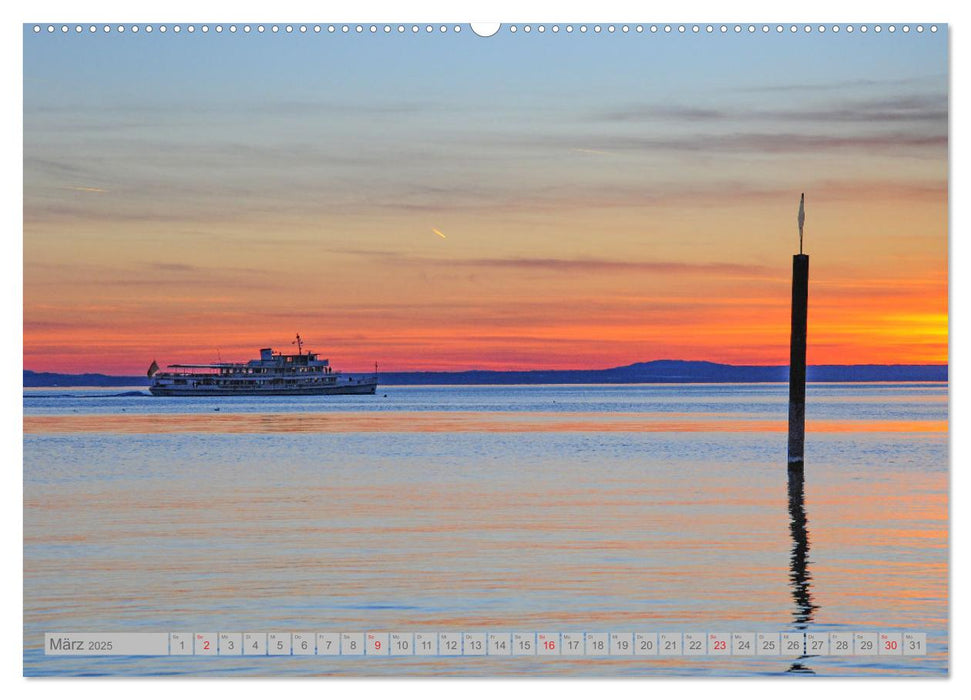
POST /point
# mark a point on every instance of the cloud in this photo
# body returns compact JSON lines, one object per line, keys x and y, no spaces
{"x":86,"y":189}
{"x":593,"y":151}
{"x":40,"y":212}
{"x":206,"y":272}
{"x":571,"y":265}
{"x":175,"y":267}
{"x":174,"y":112}
{"x":151,"y":274}
{"x":222,"y":281}
{"x":54,"y":167}
{"x":597,"y":265}
{"x":771,"y":143}
{"x":899,"y":108}
{"x":896,"y":109}
{"x":648,"y":112}
{"x":840,"y":84}
{"x":607,"y":196}
{"x":487,"y":197}
{"x":915,"y":190}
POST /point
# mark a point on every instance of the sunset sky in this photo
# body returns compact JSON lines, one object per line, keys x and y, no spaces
{"x":447,"y":201}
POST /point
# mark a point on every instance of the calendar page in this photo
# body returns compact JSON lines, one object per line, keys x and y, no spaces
{"x":519,"y":349}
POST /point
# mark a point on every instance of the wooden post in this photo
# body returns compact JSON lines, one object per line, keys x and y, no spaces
{"x":797,"y":361}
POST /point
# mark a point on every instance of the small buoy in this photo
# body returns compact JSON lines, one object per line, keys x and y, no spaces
{"x":385,"y":396}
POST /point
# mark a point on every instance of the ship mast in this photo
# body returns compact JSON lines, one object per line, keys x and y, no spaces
{"x":299,"y":344}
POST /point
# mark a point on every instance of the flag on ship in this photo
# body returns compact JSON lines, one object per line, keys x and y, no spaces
{"x":152,"y":368}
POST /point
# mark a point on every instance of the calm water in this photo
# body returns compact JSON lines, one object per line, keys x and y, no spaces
{"x":581,"y":508}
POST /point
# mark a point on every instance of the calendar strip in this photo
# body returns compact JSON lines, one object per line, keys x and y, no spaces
{"x":505,"y":644}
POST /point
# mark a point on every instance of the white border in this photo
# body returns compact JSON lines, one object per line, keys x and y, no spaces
{"x":603,"y":11}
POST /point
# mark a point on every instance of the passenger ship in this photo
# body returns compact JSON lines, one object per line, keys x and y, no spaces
{"x":274,"y":374}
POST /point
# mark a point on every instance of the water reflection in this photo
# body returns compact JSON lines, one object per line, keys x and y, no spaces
{"x":799,"y":576}
{"x":225,"y":422}
{"x":331,"y":524}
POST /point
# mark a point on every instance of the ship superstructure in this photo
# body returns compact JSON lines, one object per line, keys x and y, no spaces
{"x":273,"y":374}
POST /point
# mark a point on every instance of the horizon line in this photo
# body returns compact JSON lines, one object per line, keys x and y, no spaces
{"x":541,"y":369}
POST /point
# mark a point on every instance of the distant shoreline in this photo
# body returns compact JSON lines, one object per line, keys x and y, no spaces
{"x":655,"y":372}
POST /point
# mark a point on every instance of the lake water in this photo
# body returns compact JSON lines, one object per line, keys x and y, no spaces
{"x":649,"y":508}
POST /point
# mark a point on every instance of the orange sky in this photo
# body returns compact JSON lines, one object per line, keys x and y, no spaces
{"x":185,"y":218}
{"x":429,"y":307}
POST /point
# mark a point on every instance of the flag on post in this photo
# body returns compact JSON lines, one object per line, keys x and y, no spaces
{"x":802,"y":218}
{"x":152,"y":368}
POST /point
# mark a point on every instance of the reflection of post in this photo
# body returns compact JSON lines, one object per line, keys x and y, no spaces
{"x":798,"y":561}
{"x":799,"y":577}
{"x":797,"y":361}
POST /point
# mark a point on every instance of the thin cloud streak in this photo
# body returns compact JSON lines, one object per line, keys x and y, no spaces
{"x":839,"y":84}
{"x":594,"y":265}
{"x":573,"y":266}
{"x":96,"y":190}
{"x":570,"y":198}
{"x":899,"y":108}
{"x":460,"y":197}
{"x":775,"y":143}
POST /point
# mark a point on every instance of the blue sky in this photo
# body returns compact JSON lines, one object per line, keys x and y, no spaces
{"x":237,"y":169}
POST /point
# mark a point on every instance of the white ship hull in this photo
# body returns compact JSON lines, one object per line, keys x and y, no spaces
{"x":364,"y":387}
